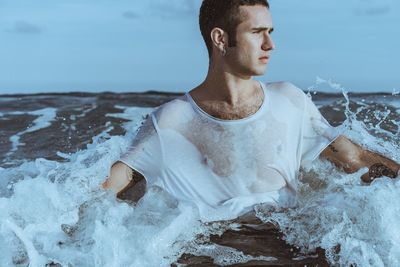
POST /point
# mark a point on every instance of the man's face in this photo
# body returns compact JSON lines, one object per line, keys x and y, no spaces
{"x":253,"y":42}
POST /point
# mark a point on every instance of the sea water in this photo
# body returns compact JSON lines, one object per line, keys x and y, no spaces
{"x":52,"y":209}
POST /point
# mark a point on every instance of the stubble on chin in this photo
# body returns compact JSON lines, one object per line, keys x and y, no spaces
{"x":259,"y":70}
{"x":246,"y":67}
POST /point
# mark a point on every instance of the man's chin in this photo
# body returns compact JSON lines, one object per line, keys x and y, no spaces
{"x":260,"y":72}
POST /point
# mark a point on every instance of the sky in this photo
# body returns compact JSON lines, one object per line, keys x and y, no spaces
{"x":136,"y":45}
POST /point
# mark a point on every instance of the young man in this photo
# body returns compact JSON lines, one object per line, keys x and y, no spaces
{"x":233,"y":142}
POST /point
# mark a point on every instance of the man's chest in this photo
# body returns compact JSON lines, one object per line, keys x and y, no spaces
{"x":253,"y":154}
{"x":227,"y":112}
{"x":226,"y":149}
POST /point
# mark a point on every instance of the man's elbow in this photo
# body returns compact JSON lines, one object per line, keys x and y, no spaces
{"x":119,"y":178}
{"x":352,"y":165}
{"x":126,"y":183}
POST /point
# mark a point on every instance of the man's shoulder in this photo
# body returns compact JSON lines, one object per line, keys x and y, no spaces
{"x":173,"y":111}
{"x":178,"y":104}
{"x":286,"y":90}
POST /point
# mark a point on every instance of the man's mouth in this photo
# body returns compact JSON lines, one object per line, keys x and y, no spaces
{"x":264,"y":59}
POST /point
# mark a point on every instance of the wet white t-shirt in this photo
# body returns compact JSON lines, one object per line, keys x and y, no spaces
{"x":225,"y":167}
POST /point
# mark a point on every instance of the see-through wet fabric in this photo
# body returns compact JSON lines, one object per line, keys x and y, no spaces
{"x":225,"y":167}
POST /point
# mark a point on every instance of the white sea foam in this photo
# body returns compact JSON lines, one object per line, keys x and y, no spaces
{"x":338,"y":210}
{"x":52,"y":211}
{"x":44,"y":118}
{"x":43,"y":198}
{"x":129,"y":113}
{"x":225,"y":256}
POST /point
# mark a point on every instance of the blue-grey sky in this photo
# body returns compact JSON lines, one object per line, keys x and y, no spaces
{"x":136,"y":45}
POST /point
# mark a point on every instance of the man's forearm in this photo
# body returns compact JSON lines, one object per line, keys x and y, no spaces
{"x":351,"y":157}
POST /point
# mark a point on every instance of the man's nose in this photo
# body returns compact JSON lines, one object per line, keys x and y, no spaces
{"x":268,"y":43}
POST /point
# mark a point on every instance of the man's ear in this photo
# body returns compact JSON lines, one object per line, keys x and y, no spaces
{"x":219,"y":38}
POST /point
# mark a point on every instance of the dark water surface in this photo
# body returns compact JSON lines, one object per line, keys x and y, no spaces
{"x":52,"y":126}
{"x":80,"y":116}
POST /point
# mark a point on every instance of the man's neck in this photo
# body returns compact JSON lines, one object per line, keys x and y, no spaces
{"x":227,"y":97}
{"x":226,"y":88}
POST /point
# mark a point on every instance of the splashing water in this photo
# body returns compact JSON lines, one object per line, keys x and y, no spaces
{"x":355,"y":223}
{"x":53,"y":210}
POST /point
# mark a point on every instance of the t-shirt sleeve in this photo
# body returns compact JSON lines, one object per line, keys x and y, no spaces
{"x":317,"y":133}
{"x":144,"y":154}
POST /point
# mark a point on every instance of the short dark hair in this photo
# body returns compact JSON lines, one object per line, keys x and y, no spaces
{"x":224,"y":14}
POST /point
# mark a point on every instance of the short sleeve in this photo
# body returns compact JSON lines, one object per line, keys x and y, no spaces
{"x":144,"y":154}
{"x":317,"y":133}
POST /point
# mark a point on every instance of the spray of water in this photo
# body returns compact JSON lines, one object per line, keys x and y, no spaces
{"x":354,"y":222}
{"x":55,"y":212}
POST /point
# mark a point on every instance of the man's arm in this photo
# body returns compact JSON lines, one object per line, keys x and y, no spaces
{"x":351,"y":157}
{"x":126,"y":183}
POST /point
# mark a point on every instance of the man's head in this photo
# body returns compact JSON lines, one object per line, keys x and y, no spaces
{"x":237,"y":35}
{"x":224,"y":14}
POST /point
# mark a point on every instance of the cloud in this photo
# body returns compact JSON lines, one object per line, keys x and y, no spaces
{"x":173,"y":8}
{"x":372,"y":11}
{"x":24,"y":27}
{"x":130,"y":15}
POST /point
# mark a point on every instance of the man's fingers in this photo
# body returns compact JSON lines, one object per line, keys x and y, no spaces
{"x":104,"y":185}
{"x":365,"y":178}
{"x":378,"y":170}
